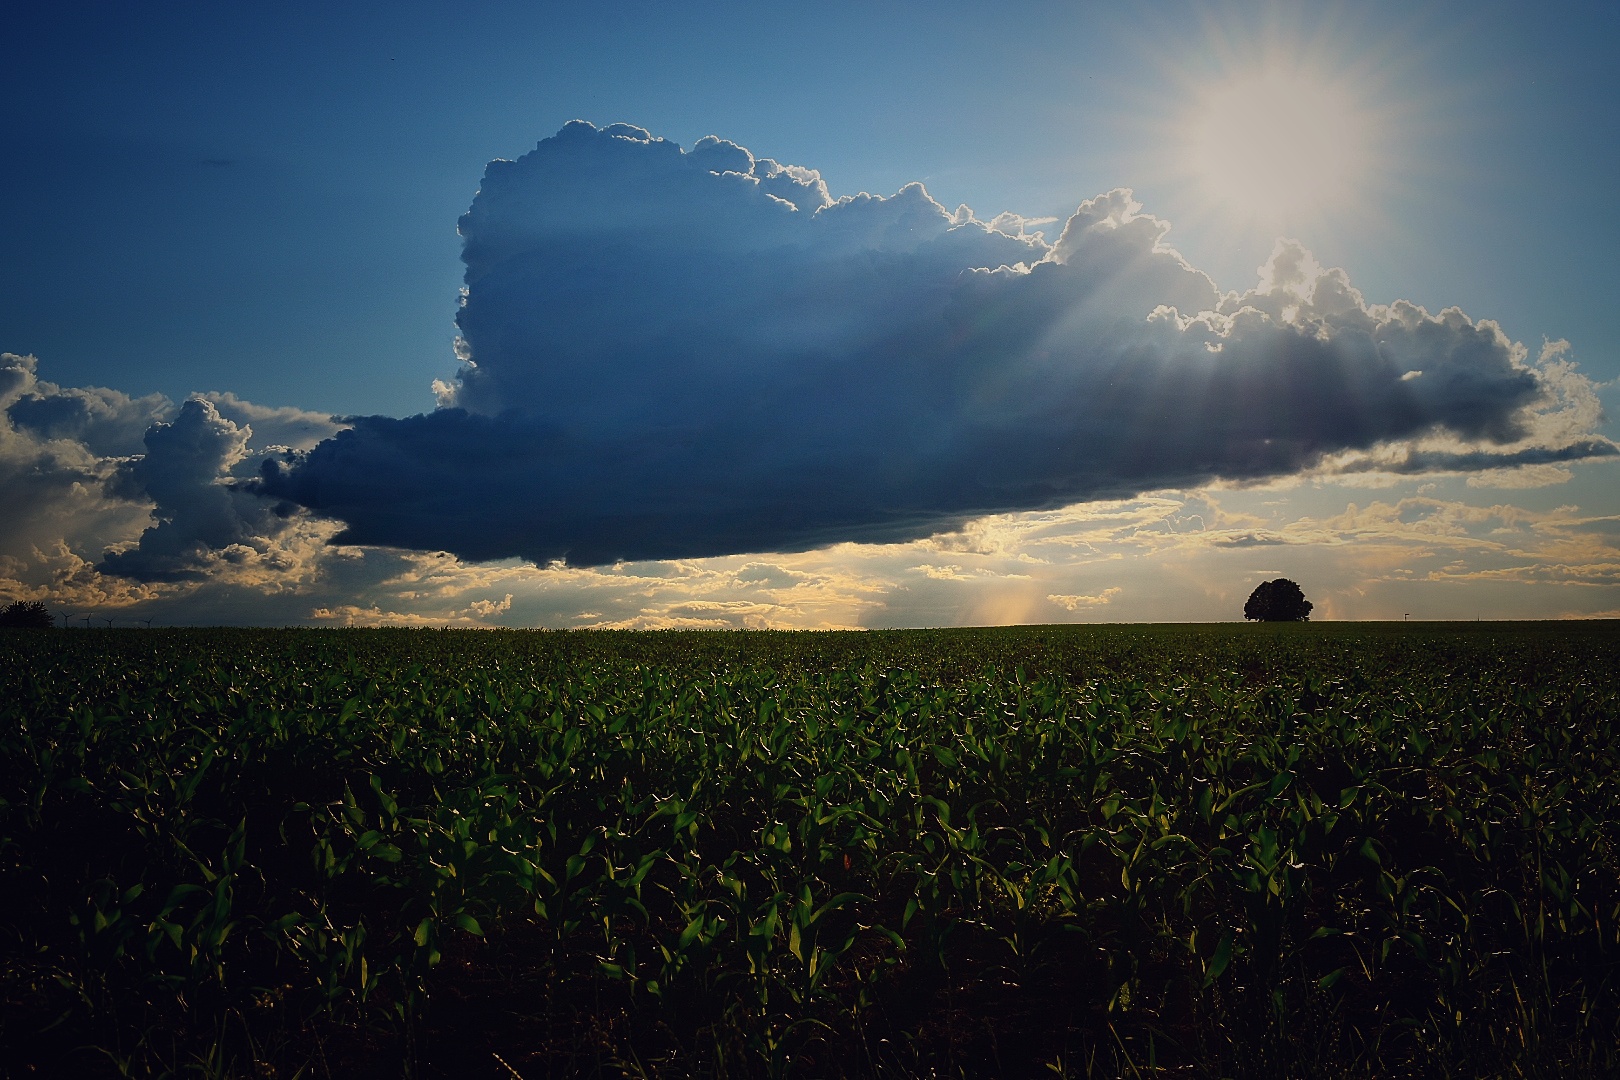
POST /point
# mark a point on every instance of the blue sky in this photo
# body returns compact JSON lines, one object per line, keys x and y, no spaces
{"x":263,"y":204}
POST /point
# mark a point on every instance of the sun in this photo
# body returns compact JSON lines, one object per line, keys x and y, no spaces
{"x":1276,"y":146}
{"x":1251,"y":124}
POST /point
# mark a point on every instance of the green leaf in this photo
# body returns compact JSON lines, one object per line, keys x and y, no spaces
{"x":1218,"y":963}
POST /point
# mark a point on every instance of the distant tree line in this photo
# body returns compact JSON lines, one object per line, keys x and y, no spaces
{"x":26,"y":615}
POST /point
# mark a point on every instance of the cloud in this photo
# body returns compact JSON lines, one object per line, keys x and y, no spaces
{"x":82,"y":469}
{"x":85,"y":470}
{"x":1071,"y":602}
{"x":201,"y":514}
{"x":675,"y":354}
{"x":1248,"y":539}
{"x":106,"y":422}
{"x":477,"y":614}
{"x":55,"y":464}
{"x":294,"y":428}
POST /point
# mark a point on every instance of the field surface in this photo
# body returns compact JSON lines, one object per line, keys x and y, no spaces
{"x":1301,"y":850}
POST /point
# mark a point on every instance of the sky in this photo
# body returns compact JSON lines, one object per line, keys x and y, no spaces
{"x":832,"y":316}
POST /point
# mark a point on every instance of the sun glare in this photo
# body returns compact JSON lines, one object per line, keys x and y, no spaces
{"x":1276,"y":146}
{"x":1269,"y":121}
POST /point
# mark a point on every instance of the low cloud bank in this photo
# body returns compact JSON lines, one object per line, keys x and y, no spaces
{"x":59,"y":448}
{"x":689,"y":353}
{"x":83,"y":469}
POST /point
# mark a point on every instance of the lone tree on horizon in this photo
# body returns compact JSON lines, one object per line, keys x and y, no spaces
{"x":1278,"y":601}
{"x":26,"y":615}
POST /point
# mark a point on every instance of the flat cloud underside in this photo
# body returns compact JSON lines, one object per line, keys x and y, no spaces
{"x":689,"y":353}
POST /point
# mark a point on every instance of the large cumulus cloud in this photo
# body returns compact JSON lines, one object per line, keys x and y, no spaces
{"x":686,"y":353}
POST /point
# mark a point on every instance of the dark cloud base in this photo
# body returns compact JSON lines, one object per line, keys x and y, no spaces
{"x":799,"y":474}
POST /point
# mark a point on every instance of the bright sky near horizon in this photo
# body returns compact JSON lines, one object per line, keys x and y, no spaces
{"x":709,"y":389}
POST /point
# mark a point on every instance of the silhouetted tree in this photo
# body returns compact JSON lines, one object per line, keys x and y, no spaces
{"x":1277,"y":601}
{"x":26,"y":615}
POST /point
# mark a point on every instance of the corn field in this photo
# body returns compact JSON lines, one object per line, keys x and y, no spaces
{"x":1234,"y":851}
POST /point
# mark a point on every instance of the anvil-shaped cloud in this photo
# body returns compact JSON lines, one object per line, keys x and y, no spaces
{"x":688,"y":353}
